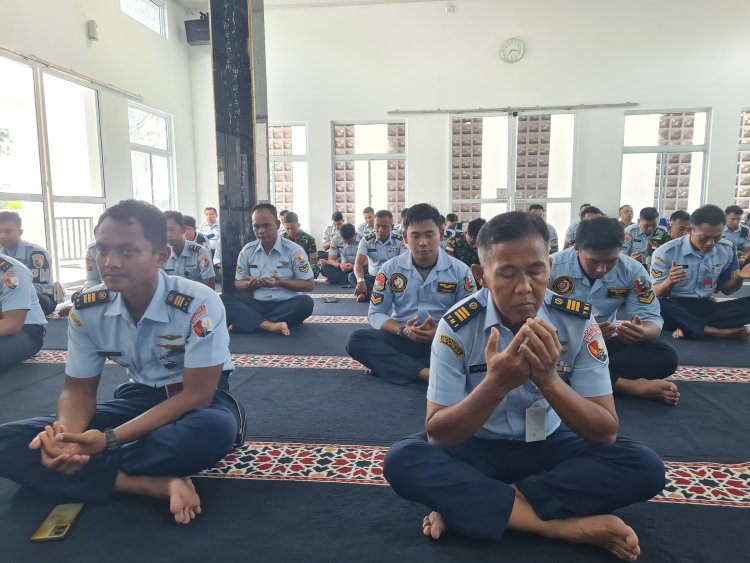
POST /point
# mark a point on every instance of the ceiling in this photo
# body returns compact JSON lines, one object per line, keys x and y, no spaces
{"x":195,"y":6}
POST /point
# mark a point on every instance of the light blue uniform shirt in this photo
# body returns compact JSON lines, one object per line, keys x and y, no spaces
{"x":37,"y":260}
{"x":194,"y":263}
{"x":287,"y":260}
{"x":329,"y":232}
{"x":705,"y":270}
{"x":363,"y":230}
{"x":740,"y":237}
{"x":17,"y":291}
{"x":211,"y":232}
{"x":627,"y":284}
{"x":379,"y":252}
{"x":458,"y":363}
{"x":93,"y":277}
{"x":553,"y":242}
{"x":343,"y":252}
{"x":400,"y":293}
{"x":570,"y":233}
{"x":637,"y":241}
{"x":184,"y":326}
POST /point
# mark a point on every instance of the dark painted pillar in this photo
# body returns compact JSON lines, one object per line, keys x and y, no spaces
{"x":240,"y":102}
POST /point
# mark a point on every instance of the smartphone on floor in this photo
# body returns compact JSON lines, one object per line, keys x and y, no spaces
{"x":59,"y":522}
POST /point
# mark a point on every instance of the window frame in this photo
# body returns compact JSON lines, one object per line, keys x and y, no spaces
{"x":741,"y":148}
{"x":162,"y":17}
{"x":168,"y":153}
{"x":273,"y":159}
{"x":369,"y":157}
{"x":670,"y":149}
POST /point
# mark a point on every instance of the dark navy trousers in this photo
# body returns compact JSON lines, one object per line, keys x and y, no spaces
{"x":691,"y":315}
{"x":369,"y":281}
{"x":246,"y":313}
{"x":652,"y":359}
{"x":21,"y":346}
{"x":394,"y":358}
{"x":560,"y":477}
{"x":334,"y":275}
{"x":193,"y":442}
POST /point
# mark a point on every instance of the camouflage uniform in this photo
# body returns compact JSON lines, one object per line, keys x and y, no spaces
{"x":460,"y":249}
{"x":657,"y":239}
{"x":307,"y":242}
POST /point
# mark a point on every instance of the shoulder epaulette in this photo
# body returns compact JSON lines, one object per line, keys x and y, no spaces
{"x":744,"y":230}
{"x":398,"y":236}
{"x":458,"y":317}
{"x":572,"y":306}
{"x":91,"y":298}
{"x":5,"y":265}
{"x":179,"y":300}
{"x":370,"y":236}
{"x":194,"y":246}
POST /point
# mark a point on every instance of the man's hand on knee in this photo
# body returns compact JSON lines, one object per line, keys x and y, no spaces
{"x":57,"y":455}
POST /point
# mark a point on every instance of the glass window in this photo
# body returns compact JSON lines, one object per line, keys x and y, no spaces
{"x":32,"y":219}
{"x":287,"y":149}
{"x":20,"y":172}
{"x":742,"y":196}
{"x":151,"y":156}
{"x":541,"y":155}
{"x":148,"y":12}
{"x":663,"y":161}
{"x":73,"y":138}
{"x":74,"y":226}
{"x":378,"y":178}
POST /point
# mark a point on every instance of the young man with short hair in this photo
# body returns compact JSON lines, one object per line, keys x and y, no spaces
{"x":409,"y":293}
{"x":191,"y":234}
{"x":172,"y":419}
{"x":339,"y":267}
{"x":463,"y":245}
{"x":521,"y":427}
{"x":293,"y":232}
{"x":638,"y":237}
{"x":364,"y":229}
{"x":210,"y":228}
{"x":33,"y":256}
{"x":587,"y":212}
{"x":594,"y":271}
{"x":187,"y":259}
{"x":736,"y":233}
{"x":689,"y":270}
{"x":626,"y":216}
{"x":271,"y":273}
{"x":337,"y":219}
{"x":373,"y":251}
{"x":538,"y":210}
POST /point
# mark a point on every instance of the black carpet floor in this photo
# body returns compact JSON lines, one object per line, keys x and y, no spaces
{"x":307,"y":521}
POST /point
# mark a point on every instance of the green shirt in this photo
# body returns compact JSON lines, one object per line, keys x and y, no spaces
{"x":307,"y":242}
{"x":460,"y":249}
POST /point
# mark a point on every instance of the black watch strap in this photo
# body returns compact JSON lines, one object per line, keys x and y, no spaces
{"x":400,"y":331}
{"x":113,"y":446}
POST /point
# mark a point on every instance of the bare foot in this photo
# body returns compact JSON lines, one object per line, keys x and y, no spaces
{"x":230,"y":328}
{"x":649,"y":389}
{"x":276,"y":328}
{"x":605,"y":531}
{"x":184,"y":502}
{"x":361,"y":298}
{"x":433,"y":525}
{"x":368,"y":371}
{"x":327,"y":281}
{"x":678,"y":333}
{"x":738,"y":333}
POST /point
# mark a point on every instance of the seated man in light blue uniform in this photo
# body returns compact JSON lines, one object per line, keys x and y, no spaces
{"x":638,"y":237}
{"x":188,"y":259}
{"x":521,"y":428}
{"x":375,"y":250}
{"x":587,"y":212}
{"x":22,"y":321}
{"x":33,"y":256}
{"x":737,"y":234}
{"x":173,"y":418}
{"x":689,"y":270}
{"x":271,"y":271}
{"x":341,"y":255}
{"x":596,"y":272}
{"x":410,"y":292}
{"x":364,"y":229}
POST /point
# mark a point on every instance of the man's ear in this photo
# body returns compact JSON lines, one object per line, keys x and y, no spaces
{"x":478,"y":272}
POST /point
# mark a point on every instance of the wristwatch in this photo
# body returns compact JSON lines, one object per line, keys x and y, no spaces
{"x":400,"y":331}
{"x":360,"y":280}
{"x":113,"y":446}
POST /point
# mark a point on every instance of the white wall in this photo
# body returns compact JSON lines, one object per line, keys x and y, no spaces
{"x":127,"y":55}
{"x":356,"y":63}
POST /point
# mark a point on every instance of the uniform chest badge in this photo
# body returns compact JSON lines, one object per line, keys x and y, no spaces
{"x":397,"y":283}
{"x":563,"y":285}
{"x":446,"y":287}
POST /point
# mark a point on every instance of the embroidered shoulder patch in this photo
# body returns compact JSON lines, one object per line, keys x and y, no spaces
{"x":91,"y":298}
{"x":5,"y":265}
{"x":563,"y":285}
{"x":370,"y":236}
{"x":179,"y":300}
{"x":376,"y":298}
{"x":459,"y":316}
{"x":453,"y":345}
{"x":572,"y":306}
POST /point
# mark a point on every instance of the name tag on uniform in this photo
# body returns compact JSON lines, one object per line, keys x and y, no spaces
{"x":446,"y":287}
{"x":477,"y":368}
{"x":106,"y":353}
{"x":536,"y":424}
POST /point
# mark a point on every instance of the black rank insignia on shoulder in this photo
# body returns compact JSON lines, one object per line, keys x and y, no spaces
{"x":572,"y":306}
{"x":397,"y":236}
{"x":459,"y":316}
{"x":179,"y":300}
{"x":5,"y":265}
{"x":370,"y":236}
{"x":91,"y":298}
